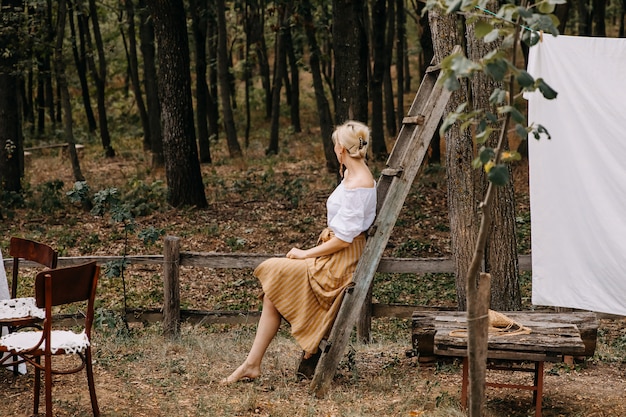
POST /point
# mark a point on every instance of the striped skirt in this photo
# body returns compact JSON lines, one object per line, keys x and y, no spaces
{"x":308,"y":292}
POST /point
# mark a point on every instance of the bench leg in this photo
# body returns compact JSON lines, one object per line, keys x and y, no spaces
{"x":538,"y":391}
{"x":465,"y":382}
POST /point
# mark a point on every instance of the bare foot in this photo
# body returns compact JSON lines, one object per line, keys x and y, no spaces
{"x":245,"y":372}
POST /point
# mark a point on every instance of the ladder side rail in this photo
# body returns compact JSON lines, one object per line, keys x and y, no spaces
{"x":372,"y":253}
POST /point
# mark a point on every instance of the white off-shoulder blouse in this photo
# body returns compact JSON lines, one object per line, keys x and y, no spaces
{"x":351,"y":211}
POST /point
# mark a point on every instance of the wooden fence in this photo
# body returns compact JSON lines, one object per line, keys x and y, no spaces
{"x":173,"y":259}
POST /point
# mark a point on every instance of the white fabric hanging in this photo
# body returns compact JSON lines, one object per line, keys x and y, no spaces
{"x":4,"y":294}
{"x":578,"y":178}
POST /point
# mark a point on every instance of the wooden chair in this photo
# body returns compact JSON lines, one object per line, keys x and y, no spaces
{"x":27,"y":250}
{"x":57,"y":287}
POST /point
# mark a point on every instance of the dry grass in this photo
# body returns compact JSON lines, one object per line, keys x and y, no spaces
{"x":143,"y":374}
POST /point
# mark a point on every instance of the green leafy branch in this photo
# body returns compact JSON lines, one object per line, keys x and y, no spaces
{"x":505,"y":25}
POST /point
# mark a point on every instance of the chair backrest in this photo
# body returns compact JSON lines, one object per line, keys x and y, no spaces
{"x":30,"y":250}
{"x":68,"y":285}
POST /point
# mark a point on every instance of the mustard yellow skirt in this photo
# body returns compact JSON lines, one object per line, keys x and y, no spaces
{"x":308,"y":292}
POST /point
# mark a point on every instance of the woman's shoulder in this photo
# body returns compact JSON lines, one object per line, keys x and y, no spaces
{"x":358,"y":182}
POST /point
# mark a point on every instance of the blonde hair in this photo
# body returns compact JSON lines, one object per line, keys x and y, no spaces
{"x":354,"y":136}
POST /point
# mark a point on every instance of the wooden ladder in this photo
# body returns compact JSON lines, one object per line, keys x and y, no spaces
{"x":404,"y":162}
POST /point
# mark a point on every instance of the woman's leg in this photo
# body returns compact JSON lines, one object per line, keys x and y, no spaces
{"x":268,"y":326}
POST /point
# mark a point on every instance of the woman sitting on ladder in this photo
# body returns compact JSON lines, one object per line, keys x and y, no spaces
{"x":306,"y":287}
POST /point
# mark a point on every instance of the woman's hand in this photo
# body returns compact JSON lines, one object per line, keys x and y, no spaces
{"x":296,"y":253}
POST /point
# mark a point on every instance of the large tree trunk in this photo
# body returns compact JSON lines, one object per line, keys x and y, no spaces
{"x":462,"y":195}
{"x":351,"y":60}
{"x":501,"y":249}
{"x":146,"y":36}
{"x":222,"y":69}
{"x":11,"y":148}
{"x":323,"y":107}
{"x":182,"y":167}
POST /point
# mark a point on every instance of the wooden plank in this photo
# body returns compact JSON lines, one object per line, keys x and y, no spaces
{"x":426,"y":327}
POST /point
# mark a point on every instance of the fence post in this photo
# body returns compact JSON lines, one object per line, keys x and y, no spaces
{"x":171,"y":286}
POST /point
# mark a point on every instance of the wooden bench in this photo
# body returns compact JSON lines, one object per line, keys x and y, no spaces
{"x":554,"y":337}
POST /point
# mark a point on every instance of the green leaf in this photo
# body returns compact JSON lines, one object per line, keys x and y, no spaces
{"x":497,"y":97}
{"x":525,"y":79}
{"x":477,"y":163}
{"x":545,"y":7}
{"x":492,"y":36}
{"x":462,"y":66}
{"x":511,"y":156}
{"x":521,"y":131}
{"x":482,"y":137}
{"x":491,"y":117}
{"x":497,"y":69}
{"x":451,"y":83}
{"x":486,"y":154}
{"x":454,"y":6}
{"x":515,"y":114}
{"x":499,"y":175}
{"x":482,"y":28}
{"x":546,"y":90}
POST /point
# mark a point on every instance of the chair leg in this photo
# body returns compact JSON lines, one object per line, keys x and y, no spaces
{"x":37,"y":387}
{"x":90,"y":381}
{"x":48,"y":382}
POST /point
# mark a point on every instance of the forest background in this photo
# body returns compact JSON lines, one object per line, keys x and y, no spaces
{"x":260,"y":133}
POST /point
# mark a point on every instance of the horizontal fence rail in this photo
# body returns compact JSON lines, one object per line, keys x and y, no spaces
{"x":250,"y":261}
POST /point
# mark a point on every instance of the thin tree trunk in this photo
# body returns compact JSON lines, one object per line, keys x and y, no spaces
{"x":390,"y":110}
{"x":59,"y":65}
{"x":295,"y":82}
{"x":257,"y":16}
{"x":379,"y":23}
{"x":199,"y":29}
{"x":212,"y":99}
{"x":247,"y":70}
{"x":134,"y":73}
{"x":400,"y":58}
{"x":222,"y":68}
{"x":279,"y":73}
{"x":98,"y":74}
{"x":146,"y":36}
{"x":80,"y":61}
{"x":323,"y":107}
{"x":599,"y":18}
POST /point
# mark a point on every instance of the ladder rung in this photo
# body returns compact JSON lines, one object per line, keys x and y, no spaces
{"x":413,"y":120}
{"x":392,"y":172}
